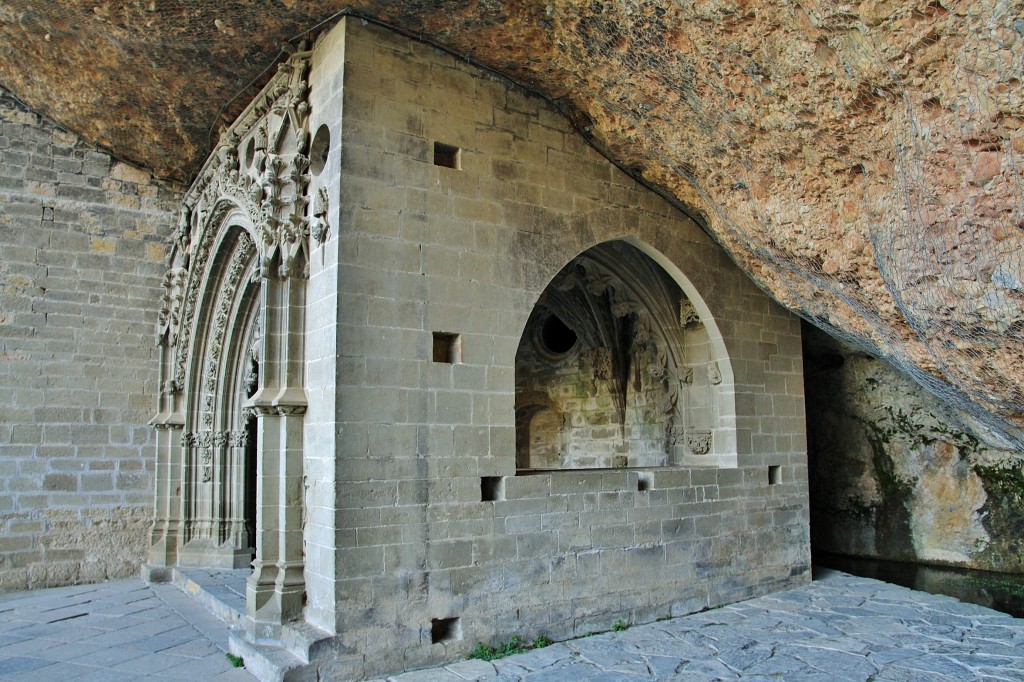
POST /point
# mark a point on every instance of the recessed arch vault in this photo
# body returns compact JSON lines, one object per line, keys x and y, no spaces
{"x":646,"y":382}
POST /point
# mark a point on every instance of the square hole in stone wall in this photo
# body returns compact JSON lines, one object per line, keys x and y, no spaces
{"x":774,"y":474}
{"x":447,"y":156}
{"x":445,"y":630}
{"x":492,"y":488}
{"x":447,"y":347}
{"x":643,"y":482}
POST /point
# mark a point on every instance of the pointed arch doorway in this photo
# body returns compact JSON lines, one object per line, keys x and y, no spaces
{"x":229,"y":480}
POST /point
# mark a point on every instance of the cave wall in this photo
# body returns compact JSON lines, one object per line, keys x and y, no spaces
{"x":894,"y":474}
{"x":81,"y":238}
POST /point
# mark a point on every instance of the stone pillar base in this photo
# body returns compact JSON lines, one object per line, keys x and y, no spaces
{"x":271,"y":600}
{"x":156,"y":574}
{"x":198,"y":554}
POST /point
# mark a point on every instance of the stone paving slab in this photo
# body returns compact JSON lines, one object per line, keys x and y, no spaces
{"x":837,"y":628}
{"x":124,"y":630}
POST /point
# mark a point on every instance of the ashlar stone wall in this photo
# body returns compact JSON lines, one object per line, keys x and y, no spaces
{"x":81,"y":256}
{"x":455,"y":199}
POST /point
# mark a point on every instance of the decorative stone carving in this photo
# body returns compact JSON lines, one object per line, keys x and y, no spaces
{"x":321,"y":227}
{"x":239,"y":262}
{"x":169,"y":317}
{"x":203,"y":442}
{"x":686,"y":375}
{"x":688,"y":316}
{"x":598,"y":361}
{"x":698,"y":442}
{"x":714,"y":374}
{"x":657,"y":363}
{"x":270,"y":192}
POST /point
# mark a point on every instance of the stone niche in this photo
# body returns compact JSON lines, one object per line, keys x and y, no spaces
{"x":495,"y":386}
{"x":615,"y":369}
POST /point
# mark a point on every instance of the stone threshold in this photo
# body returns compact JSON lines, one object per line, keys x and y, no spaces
{"x":222,"y":592}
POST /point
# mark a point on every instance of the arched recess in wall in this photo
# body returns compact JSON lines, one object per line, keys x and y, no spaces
{"x":218,"y":440}
{"x":621,"y":364}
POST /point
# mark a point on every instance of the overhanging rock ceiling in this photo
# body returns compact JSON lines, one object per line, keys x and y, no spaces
{"x":861,"y":161}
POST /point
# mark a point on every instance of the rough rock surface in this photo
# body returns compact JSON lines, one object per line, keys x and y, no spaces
{"x":861,"y":161}
{"x":893,"y":475}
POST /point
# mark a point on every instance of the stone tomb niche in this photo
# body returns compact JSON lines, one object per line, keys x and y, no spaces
{"x":614,"y":369}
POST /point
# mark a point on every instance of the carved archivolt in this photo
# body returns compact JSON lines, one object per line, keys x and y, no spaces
{"x":242,"y":237}
{"x":239,"y":262}
{"x":270,"y":189}
{"x":205,"y":441}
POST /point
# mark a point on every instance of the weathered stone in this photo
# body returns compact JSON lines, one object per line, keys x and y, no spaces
{"x":894,"y":475}
{"x":385,"y":436}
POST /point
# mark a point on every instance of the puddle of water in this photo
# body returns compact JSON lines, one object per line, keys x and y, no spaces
{"x":1000,"y":591}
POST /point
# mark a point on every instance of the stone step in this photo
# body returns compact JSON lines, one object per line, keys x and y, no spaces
{"x":325,"y":659}
{"x":218,"y":599}
{"x":303,"y":653}
{"x":266,"y":662}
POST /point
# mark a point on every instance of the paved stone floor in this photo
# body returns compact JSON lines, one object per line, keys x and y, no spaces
{"x":124,"y":630}
{"x":837,"y":628}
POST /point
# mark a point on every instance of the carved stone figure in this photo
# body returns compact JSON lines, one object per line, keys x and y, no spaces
{"x":321,"y":227}
{"x":688,"y":316}
{"x":698,"y":442}
{"x":714,"y":374}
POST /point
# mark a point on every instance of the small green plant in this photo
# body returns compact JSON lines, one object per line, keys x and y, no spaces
{"x":236,"y":661}
{"x":620,"y":626}
{"x":488,"y":652}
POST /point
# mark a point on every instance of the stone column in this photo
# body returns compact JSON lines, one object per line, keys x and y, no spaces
{"x":164,"y":534}
{"x":274,"y":593}
{"x":235,"y":530}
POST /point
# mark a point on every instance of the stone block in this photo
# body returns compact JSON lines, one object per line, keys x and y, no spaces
{"x":61,"y":482}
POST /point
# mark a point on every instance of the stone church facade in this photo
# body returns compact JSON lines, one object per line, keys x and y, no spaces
{"x":442,"y":373}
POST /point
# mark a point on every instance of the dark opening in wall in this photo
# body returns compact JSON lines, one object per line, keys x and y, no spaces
{"x":318,"y":150}
{"x":250,"y":153}
{"x":445,"y":630}
{"x":492,"y":488}
{"x":447,"y":348}
{"x":556,"y":336}
{"x":643,"y":482}
{"x":447,"y":156}
{"x":774,"y":475}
